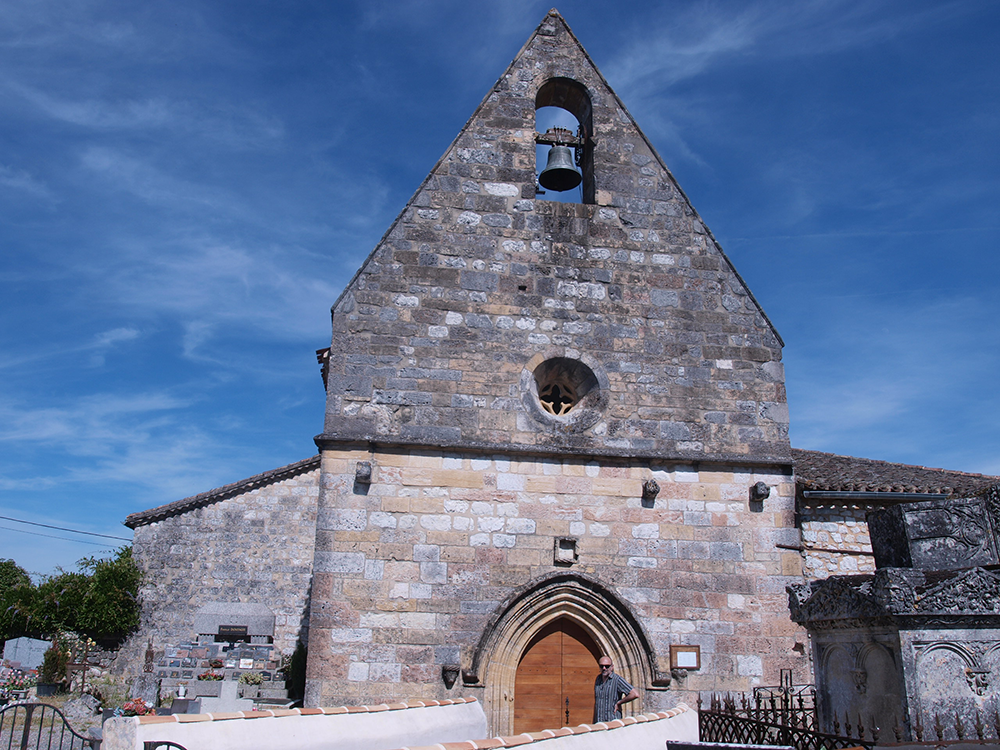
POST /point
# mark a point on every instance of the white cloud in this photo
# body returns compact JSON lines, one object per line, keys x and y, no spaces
{"x":141,"y":179}
{"x":97,"y":349}
{"x":90,"y":425}
{"x":20,"y":180}
{"x":891,"y":377}
{"x":212,"y":287}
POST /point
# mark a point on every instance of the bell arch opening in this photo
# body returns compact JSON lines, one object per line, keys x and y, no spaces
{"x":573,"y":603}
{"x":564,"y":144}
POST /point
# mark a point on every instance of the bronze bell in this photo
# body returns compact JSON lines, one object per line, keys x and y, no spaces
{"x":560,"y":172}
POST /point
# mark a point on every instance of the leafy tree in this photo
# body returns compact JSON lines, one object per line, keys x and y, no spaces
{"x":101,"y":600}
{"x":15,"y":585}
{"x":111,"y":606}
{"x":12,"y":575}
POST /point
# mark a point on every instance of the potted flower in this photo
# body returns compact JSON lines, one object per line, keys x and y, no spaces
{"x":210,"y":676}
{"x":15,"y":685}
{"x":52,"y":674}
{"x":250,"y":683}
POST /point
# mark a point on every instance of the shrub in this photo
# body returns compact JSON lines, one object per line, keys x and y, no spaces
{"x":54,"y":663}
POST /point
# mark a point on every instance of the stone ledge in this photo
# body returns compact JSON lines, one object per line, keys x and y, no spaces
{"x":528,"y":738}
{"x":281,"y":712}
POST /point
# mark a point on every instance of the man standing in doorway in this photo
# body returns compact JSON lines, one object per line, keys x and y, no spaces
{"x":610,"y":692}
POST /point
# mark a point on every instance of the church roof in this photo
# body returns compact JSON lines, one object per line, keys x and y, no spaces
{"x":221,"y":493}
{"x":828,"y":472}
{"x":814,"y":471}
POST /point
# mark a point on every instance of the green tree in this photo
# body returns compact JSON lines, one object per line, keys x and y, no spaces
{"x":111,"y":603}
{"x":12,"y":575}
{"x":15,"y":587}
{"x":100,"y":600}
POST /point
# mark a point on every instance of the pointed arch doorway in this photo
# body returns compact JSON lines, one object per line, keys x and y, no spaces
{"x":554,"y":683}
{"x":514,"y":630}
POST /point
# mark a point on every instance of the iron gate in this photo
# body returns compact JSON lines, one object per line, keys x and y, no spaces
{"x":39,"y":726}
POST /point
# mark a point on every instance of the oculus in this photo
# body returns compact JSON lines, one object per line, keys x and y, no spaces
{"x":566,"y":394}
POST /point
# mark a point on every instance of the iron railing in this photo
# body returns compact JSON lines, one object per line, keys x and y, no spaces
{"x":726,"y":721}
{"x":33,"y":726}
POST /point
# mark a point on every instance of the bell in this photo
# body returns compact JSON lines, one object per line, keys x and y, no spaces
{"x":560,"y":172}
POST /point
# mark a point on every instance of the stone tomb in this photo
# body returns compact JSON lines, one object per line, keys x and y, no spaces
{"x":233,"y":639}
{"x":919,"y":642}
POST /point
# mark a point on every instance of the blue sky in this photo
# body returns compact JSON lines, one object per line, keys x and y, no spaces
{"x":185,"y":188}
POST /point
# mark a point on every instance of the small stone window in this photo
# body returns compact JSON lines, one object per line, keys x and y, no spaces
{"x":563,"y":393}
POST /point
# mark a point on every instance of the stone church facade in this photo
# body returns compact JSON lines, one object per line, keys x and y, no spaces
{"x":545,"y":422}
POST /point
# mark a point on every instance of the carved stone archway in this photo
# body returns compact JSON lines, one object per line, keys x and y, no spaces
{"x":605,"y":617}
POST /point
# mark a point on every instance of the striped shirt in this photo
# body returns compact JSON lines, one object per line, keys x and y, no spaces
{"x":607,"y":692}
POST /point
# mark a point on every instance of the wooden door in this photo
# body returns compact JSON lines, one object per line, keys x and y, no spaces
{"x":554,"y":686}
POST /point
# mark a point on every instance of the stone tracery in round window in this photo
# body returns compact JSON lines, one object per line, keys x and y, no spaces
{"x":557,"y":398}
{"x":562,"y":383}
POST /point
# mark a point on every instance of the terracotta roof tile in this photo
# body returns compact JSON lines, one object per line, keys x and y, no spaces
{"x":221,"y":493}
{"x":816,"y":471}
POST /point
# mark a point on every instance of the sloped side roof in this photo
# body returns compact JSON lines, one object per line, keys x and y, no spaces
{"x":221,"y":493}
{"x":815,"y":470}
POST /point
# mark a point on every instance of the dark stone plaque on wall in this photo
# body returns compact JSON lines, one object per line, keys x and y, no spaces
{"x":935,"y":534}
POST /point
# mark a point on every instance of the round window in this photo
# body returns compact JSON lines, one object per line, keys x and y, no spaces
{"x":563,"y":392}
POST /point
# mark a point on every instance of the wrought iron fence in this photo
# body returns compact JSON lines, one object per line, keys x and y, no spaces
{"x":30,"y":726}
{"x":727,"y":721}
{"x":785,"y":704}
{"x":951,"y":728}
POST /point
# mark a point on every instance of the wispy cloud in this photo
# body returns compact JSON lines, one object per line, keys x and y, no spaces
{"x":21,"y":180}
{"x":90,"y":425}
{"x":143,"y":180}
{"x":96,"y":349}
{"x":211,"y":286}
{"x":145,"y":441}
{"x":682,"y":43}
{"x":886,"y":367}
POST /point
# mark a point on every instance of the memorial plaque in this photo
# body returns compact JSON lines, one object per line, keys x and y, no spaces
{"x":233,"y":633}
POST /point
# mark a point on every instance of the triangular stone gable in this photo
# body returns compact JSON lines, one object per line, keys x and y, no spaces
{"x":480,"y":287}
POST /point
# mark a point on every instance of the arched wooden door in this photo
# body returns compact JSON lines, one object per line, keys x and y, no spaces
{"x":554,"y":686}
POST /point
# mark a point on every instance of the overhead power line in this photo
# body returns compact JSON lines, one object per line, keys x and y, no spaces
{"x":52,"y":536}
{"x":63,"y":528}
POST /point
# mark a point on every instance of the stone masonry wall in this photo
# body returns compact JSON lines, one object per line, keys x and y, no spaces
{"x":836,"y":541}
{"x":477,"y":278}
{"x":256,"y":547}
{"x":408,"y":574}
